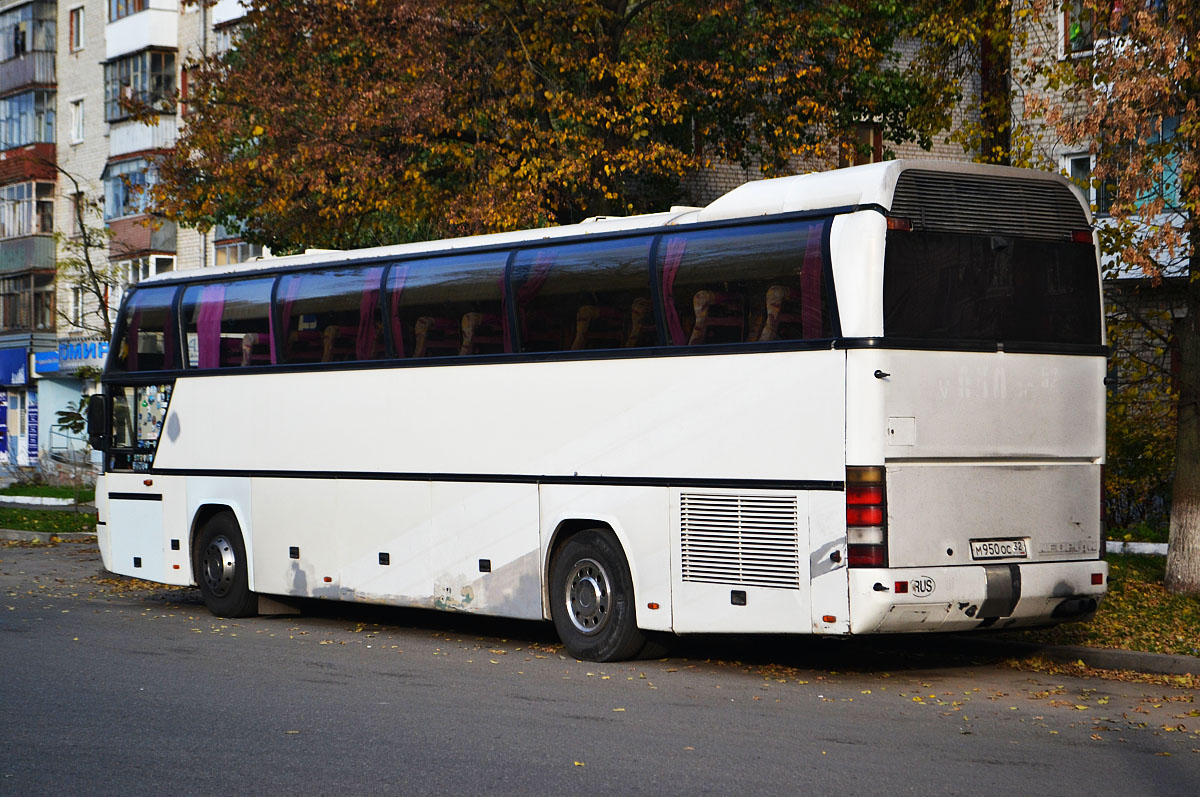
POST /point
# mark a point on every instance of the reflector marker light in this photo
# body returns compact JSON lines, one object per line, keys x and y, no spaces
{"x":901,"y":587}
{"x":1097,"y":578}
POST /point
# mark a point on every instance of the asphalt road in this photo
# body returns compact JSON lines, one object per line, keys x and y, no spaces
{"x":107,"y":686}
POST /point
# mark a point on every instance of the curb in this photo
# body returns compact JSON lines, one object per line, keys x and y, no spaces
{"x":20,"y":535}
{"x":36,"y":500}
{"x":1117,"y":546}
{"x":1100,"y":658}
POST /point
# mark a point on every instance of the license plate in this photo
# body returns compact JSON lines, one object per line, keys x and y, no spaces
{"x":999,"y":549}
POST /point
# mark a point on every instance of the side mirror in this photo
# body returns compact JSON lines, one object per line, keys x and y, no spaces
{"x":97,"y":417}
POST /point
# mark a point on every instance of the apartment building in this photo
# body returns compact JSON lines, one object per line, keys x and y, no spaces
{"x":71,"y":161}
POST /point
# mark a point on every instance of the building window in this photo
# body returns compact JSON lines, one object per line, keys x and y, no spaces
{"x":139,"y":268}
{"x":76,"y":121}
{"x":28,"y":28}
{"x":866,"y":146}
{"x":118,"y":9}
{"x":148,"y":77}
{"x":236,"y":252}
{"x":27,"y":302}
{"x":76,"y":314}
{"x":26,"y":209}
{"x":1077,"y":28}
{"x":75,"y":38}
{"x":27,"y":118}
{"x":125,"y":185}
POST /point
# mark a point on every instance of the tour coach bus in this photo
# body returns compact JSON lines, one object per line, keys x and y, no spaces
{"x":867,"y":400}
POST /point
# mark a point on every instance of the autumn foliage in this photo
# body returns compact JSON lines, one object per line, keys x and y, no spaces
{"x":365,"y":122}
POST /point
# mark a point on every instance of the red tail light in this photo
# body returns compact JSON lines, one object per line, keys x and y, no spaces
{"x":1081,"y":236}
{"x":898,"y":223}
{"x":866,"y":517}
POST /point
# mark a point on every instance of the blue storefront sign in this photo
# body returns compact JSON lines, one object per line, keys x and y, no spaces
{"x":74,"y":354}
{"x":13,"y":366}
{"x":3,"y":421}
{"x":45,"y":362}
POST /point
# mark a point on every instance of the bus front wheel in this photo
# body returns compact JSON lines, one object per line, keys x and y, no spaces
{"x":221,"y":568}
{"x":592,"y":599}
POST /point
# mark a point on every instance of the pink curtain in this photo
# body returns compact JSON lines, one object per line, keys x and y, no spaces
{"x":399,"y":275}
{"x":131,"y":341}
{"x":810,"y":284}
{"x":671,"y":262}
{"x":364,"y":347}
{"x":208,"y":325}
{"x":285,"y":313}
{"x":170,"y":337}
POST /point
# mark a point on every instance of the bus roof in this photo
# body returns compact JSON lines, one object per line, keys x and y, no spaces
{"x":871,"y":185}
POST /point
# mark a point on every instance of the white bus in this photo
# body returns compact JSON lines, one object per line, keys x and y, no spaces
{"x":868,"y":400}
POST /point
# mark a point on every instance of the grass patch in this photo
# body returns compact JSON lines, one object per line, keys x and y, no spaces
{"x":47,"y":520}
{"x":1140,"y":532}
{"x":1137,"y":614}
{"x":48,"y":491}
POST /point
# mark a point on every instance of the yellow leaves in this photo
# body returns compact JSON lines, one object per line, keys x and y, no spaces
{"x":257,"y":131}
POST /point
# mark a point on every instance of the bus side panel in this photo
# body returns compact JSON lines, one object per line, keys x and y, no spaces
{"x":639,"y":516}
{"x":486,"y":556}
{"x":296,"y":536}
{"x":743,"y":561}
{"x":140,"y":539}
{"x":827,"y":563}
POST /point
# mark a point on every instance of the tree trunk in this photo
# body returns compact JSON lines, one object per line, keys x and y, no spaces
{"x":995,"y":87}
{"x":1183,"y":553}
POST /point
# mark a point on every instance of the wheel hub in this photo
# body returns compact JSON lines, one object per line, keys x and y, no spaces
{"x":218,"y":566}
{"x":588,"y":596}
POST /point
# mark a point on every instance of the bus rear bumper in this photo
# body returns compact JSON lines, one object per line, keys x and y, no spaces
{"x":903,"y":600}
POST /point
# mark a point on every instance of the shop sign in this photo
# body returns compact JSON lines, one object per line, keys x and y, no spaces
{"x":13,"y":366}
{"x":45,"y":362}
{"x":74,"y":354}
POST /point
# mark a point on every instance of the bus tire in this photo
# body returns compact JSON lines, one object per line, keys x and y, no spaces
{"x":221,"y":568}
{"x":591,"y":598}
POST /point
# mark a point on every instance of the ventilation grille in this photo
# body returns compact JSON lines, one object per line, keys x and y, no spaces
{"x":749,"y":540}
{"x":973,"y":203}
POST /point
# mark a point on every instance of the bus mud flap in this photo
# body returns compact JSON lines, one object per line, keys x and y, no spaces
{"x":1003,"y":591}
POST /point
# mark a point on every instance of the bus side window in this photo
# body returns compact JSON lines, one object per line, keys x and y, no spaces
{"x":147,"y":336}
{"x":331,"y":315}
{"x":229,"y":324}
{"x":744,"y":284}
{"x":586,"y":295}
{"x":448,"y":306}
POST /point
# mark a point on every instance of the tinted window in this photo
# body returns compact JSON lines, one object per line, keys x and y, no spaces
{"x":592,"y":295}
{"x":228,"y":324}
{"x":448,"y":306}
{"x":330,"y":316}
{"x":991,"y":288}
{"x":745,"y":284}
{"x":147,"y":336}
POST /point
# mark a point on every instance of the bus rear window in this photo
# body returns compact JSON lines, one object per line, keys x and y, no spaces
{"x":944,"y":286}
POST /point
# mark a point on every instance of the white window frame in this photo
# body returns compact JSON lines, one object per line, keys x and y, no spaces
{"x":78,"y":120}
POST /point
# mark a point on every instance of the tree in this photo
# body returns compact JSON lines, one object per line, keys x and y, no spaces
{"x":1135,"y":100}
{"x":83,"y":262}
{"x":377,"y":121}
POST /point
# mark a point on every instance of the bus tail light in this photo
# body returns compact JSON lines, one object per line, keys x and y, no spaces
{"x":903,"y":225}
{"x":1081,"y":237}
{"x":866,"y":517}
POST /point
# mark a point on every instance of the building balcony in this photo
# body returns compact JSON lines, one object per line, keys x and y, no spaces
{"x":226,"y":11}
{"x":27,"y":252}
{"x":30,"y":162}
{"x":128,"y":137}
{"x":29,"y":69}
{"x":136,"y":235}
{"x":157,"y":26}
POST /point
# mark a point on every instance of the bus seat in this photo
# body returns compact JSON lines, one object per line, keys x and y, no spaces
{"x":598,"y":327}
{"x":435,"y":337}
{"x":304,"y":346}
{"x":780,"y":298}
{"x":256,"y":349}
{"x":716,"y":312}
{"x":482,"y":333}
{"x":338,"y":343}
{"x":641,"y":327}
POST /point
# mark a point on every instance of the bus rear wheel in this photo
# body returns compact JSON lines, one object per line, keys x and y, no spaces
{"x":591,"y":599}
{"x":221,"y":568}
